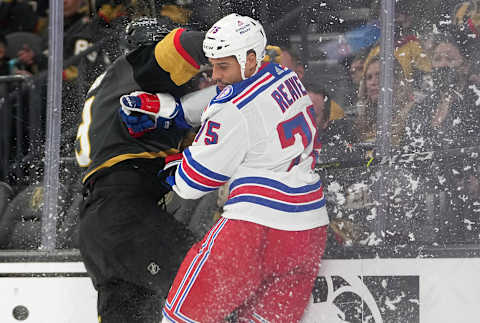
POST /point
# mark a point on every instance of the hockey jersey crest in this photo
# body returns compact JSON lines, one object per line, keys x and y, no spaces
{"x":257,"y":136}
{"x":226,"y":94}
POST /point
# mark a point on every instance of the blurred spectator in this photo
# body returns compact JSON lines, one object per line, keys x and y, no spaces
{"x":356,"y":69}
{"x":318,"y":97}
{"x":74,"y":40}
{"x":367,"y":106}
{"x":467,"y":23}
{"x":80,"y":32}
{"x":292,"y":59}
{"x":408,"y":50}
{"x":79,"y":72}
{"x":288,"y":56}
{"x":334,"y":131}
{"x":326,"y":110}
{"x":355,"y":72}
{"x":23,"y":64}
{"x":449,"y":117}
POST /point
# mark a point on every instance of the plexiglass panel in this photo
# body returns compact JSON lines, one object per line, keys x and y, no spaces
{"x":398,"y":129}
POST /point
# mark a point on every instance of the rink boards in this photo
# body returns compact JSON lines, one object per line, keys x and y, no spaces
{"x":369,"y":290}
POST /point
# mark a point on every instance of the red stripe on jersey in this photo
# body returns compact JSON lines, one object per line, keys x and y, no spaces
{"x":182,"y":51}
{"x":252,"y":88}
{"x":199,"y":178}
{"x":277,"y":195}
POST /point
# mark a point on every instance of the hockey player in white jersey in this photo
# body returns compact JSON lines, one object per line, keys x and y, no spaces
{"x":259,"y":261}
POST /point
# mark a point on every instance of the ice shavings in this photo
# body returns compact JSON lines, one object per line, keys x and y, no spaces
{"x":371,"y":240}
{"x":409,"y":214}
{"x":441,"y":179}
{"x":372,"y":215}
{"x":391,"y":303}
{"x":477,"y":92}
{"x":469,"y":224}
{"x":336,"y":189}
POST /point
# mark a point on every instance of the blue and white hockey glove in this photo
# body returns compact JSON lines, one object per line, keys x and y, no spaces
{"x":179,"y":120}
{"x":167,"y":174}
{"x":143,"y":112}
{"x":137,"y":123}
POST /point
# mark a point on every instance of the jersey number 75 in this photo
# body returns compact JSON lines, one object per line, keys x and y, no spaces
{"x":296,"y":125}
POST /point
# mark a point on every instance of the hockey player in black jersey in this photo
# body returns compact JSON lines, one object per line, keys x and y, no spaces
{"x":130,"y":246}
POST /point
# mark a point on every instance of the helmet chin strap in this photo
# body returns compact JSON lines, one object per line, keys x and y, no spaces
{"x":242,"y":68}
{"x":242,"y":63}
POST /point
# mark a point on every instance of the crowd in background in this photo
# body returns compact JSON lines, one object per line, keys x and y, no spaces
{"x":436,"y":107}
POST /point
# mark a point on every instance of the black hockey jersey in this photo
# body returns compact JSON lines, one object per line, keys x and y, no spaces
{"x":102,"y":138}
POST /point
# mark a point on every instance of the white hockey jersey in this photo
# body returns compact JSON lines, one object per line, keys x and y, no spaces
{"x":257,"y":135}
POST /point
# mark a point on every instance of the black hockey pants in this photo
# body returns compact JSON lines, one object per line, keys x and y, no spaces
{"x":130,"y":246}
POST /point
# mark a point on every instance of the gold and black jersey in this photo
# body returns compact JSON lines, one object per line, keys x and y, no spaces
{"x":166,"y":67}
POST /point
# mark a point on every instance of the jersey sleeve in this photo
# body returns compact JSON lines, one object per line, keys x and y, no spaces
{"x":217,"y":151}
{"x":195,"y":103}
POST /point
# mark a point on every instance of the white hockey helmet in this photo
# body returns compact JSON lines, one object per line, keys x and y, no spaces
{"x":235,"y":35}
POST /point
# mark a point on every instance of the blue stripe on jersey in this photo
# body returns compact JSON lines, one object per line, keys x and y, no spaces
{"x":237,"y":88}
{"x":202,"y":169}
{"x":242,"y":85}
{"x":193,"y":184}
{"x":277,"y":205}
{"x":261,"y":89}
{"x":165,"y":314}
{"x":275,"y":184}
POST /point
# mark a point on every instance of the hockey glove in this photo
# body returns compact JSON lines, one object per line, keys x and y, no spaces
{"x":162,"y":108}
{"x":141,"y":106}
{"x":137,"y":123}
{"x":167,"y":174}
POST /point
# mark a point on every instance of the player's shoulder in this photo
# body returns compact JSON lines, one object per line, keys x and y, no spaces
{"x":220,"y":107}
{"x":249,"y":88}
